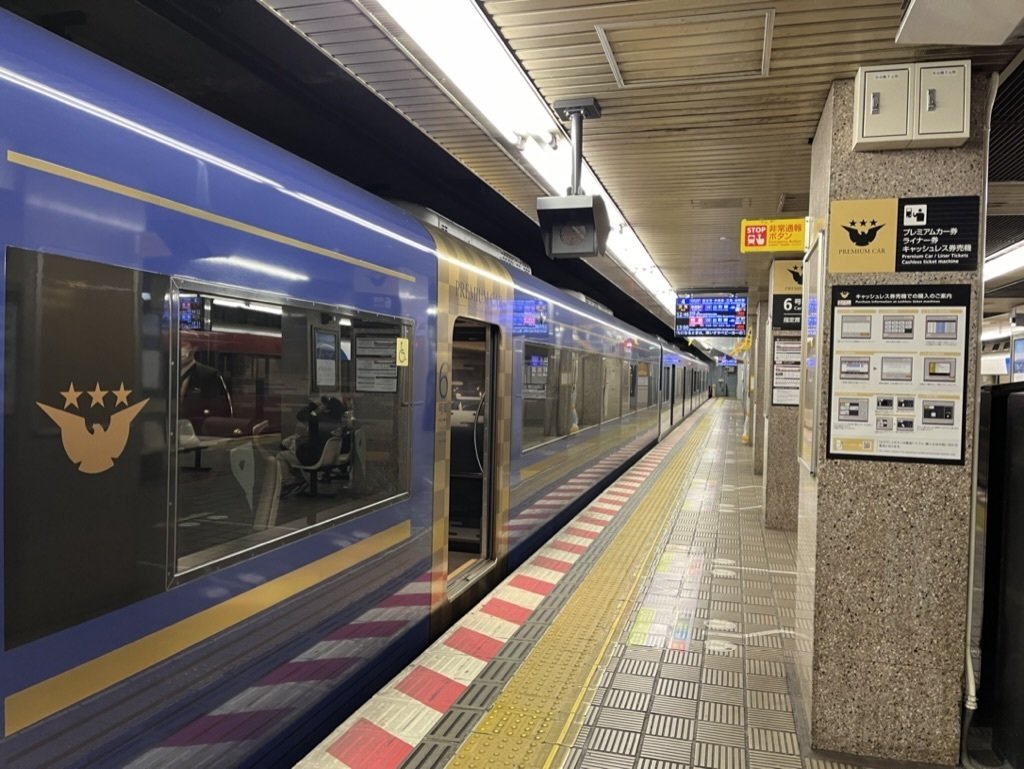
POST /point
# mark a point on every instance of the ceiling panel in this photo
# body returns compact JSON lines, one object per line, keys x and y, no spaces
{"x":701,"y":125}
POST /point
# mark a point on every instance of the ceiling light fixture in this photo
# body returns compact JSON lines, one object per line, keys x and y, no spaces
{"x":1004,"y":262}
{"x":460,"y":39}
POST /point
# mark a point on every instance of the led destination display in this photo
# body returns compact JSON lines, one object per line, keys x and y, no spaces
{"x":711,"y":315}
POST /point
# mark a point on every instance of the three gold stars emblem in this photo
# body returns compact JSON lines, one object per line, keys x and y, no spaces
{"x":97,"y":394}
{"x":94,"y":447}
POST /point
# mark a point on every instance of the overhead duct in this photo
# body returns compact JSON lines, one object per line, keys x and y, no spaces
{"x":981,"y":22}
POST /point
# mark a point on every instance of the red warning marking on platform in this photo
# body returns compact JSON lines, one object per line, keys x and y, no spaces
{"x":549,"y":503}
{"x":376,"y":629}
{"x":531,"y":584}
{"x":608,"y":508}
{"x":406,"y":599}
{"x":592,"y":520}
{"x":550,"y":563}
{"x":309,"y":670}
{"x":574,"y":531}
{"x":432,"y":689}
{"x":569,"y":547}
{"x":507,"y":611}
{"x":475,"y":644}
{"x":367,"y":746}
{"x":224,"y":727}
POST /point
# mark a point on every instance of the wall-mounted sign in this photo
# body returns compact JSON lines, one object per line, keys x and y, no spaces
{"x":899,"y":372}
{"x":726,"y":361}
{"x":711,"y":315}
{"x":771,"y":235}
{"x":787,"y":278}
{"x":786,"y":372}
{"x":904,"y":235}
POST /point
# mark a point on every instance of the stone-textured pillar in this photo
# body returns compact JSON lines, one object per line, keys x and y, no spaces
{"x":760,"y":372}
{"x":781,"y":475}
{"x":883,"y":546}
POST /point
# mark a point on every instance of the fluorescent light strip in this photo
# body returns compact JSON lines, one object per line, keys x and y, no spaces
{"x":462,"y":42}
{"x":253,"y":265}
{"x":168,"y":141}
{"x":1004,"y":262}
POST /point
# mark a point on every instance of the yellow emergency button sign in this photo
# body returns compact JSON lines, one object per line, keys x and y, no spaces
{"x":771,"y":235}
{"x":401,"y":351}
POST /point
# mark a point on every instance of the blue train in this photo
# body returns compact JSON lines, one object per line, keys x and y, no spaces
{"x":249,"y":409}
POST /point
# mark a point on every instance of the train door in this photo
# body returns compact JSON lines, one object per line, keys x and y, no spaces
{"x":672,"y":395}
{"x":471,"y":469}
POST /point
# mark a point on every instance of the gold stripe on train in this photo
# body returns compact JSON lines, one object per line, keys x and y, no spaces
{"x":41,"y":700}
{"x":90,"y":180}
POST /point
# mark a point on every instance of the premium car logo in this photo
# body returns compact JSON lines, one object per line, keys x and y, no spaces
{"x":862,"y":234}
{"x":797,"y":274}
{"x":93,"y":448}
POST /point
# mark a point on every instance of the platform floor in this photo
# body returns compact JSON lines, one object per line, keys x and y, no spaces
{"x":651,"y":633}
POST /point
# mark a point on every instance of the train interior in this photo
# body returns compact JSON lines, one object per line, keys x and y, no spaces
{"x":288,"y":416}
{"x":471,"y":470}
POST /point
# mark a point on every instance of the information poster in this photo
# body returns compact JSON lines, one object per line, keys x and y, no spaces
{"x":899,"y":379}
{"x":325,"y":355}
{"x":786,"y":372}
{"x":376,"y":364}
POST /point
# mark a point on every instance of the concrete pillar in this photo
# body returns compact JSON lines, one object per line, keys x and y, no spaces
{"x":883,"y":545}
{"x":758,"y":366}
{"x":781,"y":475}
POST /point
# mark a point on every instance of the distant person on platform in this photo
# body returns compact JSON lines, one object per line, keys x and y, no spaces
{"x":202,"y":390}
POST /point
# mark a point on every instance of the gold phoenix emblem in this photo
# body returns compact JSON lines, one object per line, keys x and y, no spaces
{"x":94,"y":448}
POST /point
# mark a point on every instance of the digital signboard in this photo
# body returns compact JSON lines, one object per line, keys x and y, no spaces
{"x":711,"y":315}
{"x":530,"y":317}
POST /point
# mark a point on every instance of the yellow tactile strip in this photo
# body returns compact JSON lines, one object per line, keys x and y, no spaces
{"x":539,"y":712}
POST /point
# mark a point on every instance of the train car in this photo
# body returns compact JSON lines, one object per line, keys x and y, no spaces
{"x":263,"y":433}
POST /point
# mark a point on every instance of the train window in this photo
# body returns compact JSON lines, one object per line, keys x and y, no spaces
{"x":612,"y":388}
{"x":589,"y":389}
{"x":85,"y":441}
{"x":288,"y":416}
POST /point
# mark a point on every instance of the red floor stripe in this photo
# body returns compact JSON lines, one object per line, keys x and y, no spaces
{"x":406,"y":599}
{"x":607,"y":509}
{"x":569,"y":547}
{"x":507,"y":611}
{"x":550,"y":563}
{"x":531,"y":584}
{"x":432,"y":689}
{"x":475,"y":644}
{"x":224,"y":727}
{"x":309,"y":670}
{"x":592,"y":520}
{"x":574,"y":531}
{"x":367,"y":746}
{"x":377,"y":629}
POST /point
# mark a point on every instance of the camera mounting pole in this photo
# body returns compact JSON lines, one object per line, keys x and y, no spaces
{"x":574,"y":225}
{"x":575,"y":110}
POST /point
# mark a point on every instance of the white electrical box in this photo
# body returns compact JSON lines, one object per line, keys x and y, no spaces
{"x":912,"y":105}
{"x":943,"y":104}
{"x":882,"y":109}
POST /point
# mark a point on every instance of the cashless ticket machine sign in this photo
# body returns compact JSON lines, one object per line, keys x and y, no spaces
{"x":904,"y":234}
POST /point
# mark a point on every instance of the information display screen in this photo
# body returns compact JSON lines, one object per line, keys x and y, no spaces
{"x":711,"y":315}
{"x":530,"y":317}
{"x":190,"y":312}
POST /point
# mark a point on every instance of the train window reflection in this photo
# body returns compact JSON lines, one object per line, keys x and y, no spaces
{"x":287,"y":417}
